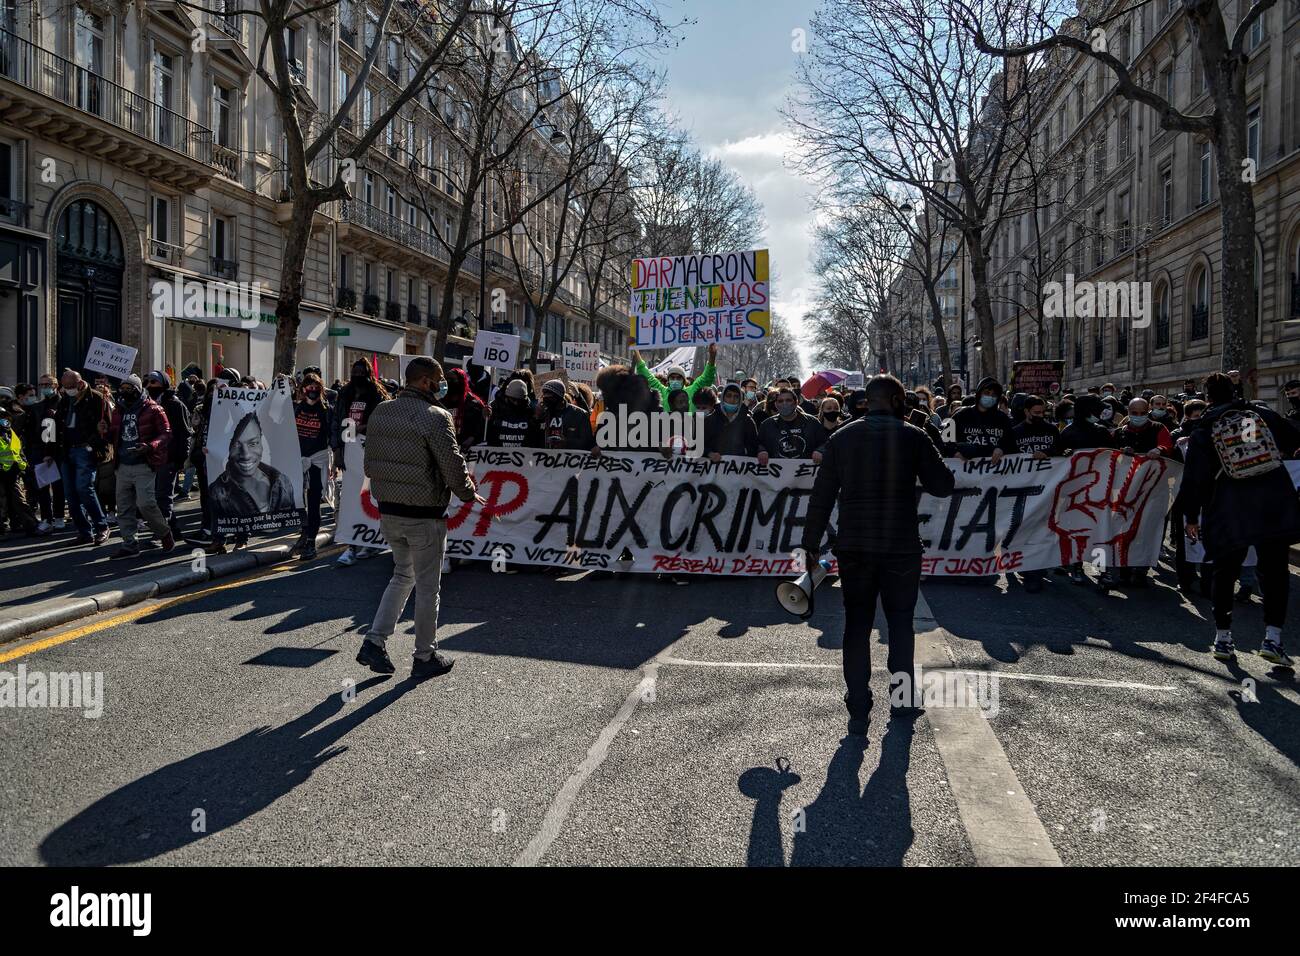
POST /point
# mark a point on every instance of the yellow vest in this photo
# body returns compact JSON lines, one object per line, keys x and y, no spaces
{"x":11,"y":453}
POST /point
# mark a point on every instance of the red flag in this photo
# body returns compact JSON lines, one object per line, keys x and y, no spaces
{"x":374,"y":364}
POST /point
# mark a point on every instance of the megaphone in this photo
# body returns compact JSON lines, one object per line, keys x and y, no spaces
{"x":797,"y":596}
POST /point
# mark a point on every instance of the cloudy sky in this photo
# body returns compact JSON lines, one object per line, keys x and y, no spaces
{"x":727,"y":82}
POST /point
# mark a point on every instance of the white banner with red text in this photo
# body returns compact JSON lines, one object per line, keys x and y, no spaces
{"x":647,"y":513}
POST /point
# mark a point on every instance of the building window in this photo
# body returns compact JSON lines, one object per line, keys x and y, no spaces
{"x":164,"y":86}
{"x":1098,"y":342}
{"x":1200,"y":318}
{"x":1099,"y":235}
{"x":1167,"y":84}
{"x":1162,"y":318}
{"x":345,"y":270}
{"x":1078,"y":344}
{"x":225,"y":262}
{"x":160,"y":228}
{"x":345,"y":85}
{"x":1122,"y":134}
{"x":1206,"y":166}
{"x":1253,"y":133}
{"x":223,"y":128}
{"x":1121,"y":338}
{"x":1166,"y":195}
{"x":1124,"y":235}
{"x":9,"y":206}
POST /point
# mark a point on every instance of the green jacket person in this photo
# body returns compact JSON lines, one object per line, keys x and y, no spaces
{"x":677,"y":378}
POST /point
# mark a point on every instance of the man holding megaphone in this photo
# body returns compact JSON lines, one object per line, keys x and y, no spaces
{"x":871,"y":467}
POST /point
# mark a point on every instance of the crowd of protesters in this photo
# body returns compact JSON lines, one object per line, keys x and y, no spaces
{"x":89,"y":457}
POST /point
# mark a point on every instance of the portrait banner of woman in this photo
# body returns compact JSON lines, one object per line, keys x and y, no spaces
{"x":254,"y":464}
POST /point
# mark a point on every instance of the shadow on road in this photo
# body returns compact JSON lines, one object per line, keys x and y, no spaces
{"x":230,"y":783}
{"x":841,"y":827}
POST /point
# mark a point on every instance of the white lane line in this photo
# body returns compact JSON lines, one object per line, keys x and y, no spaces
{"x":1054,"y":679}
{"x":1002,"y":825}
{"x":559,"y":809}
{"x":690,"y":663}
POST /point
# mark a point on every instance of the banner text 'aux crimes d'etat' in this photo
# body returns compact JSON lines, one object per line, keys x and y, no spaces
{"x":697,"y":300}
{"x":735,"y":516}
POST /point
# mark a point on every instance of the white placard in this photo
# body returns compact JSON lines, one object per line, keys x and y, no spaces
{"x":582,"y":361}
{"x":46,"y":474}
{"x":112,"y":358}
{"x":853,"y":381}
{"x":495,"y":349}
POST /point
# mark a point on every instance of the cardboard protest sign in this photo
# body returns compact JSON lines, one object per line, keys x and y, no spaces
{"x":1037,"y":377}
{"x":495,"y":349}
{"x":568,"y":509}
{"x":582,"y":361}
{"x":681,"y":301}
{"x":112,"y":358}
{"x":254,"y":466}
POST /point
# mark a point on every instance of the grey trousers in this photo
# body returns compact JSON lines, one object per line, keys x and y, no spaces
{"x":418,"y":545}
{"x":136,"y":497}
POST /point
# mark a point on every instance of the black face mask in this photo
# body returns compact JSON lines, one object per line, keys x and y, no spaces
{"x":129,"y":396}
{"x":358,"y":377}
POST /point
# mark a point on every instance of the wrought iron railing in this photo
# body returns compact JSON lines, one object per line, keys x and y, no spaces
{"x":49,"y":74}
{"x":347,"y":299}
{"x":370,"y":304}
{"x":413,"y":316}
{"x":225,"y":268}
{"x":393,"y":311}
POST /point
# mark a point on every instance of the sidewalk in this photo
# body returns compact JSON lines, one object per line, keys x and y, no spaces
{"x":53,"y":580}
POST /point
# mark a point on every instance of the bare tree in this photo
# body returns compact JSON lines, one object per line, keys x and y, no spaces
{"x":1019,"y":30}
{"x":894,"y":90}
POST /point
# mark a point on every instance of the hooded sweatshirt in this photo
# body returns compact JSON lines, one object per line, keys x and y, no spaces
{"x":178,"y":419}
{"x":978,"y":431}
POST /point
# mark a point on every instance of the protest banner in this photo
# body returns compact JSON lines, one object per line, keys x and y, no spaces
{"x":683,"y":357}
{"x":112,"y":358}
{"x":1037,"y":377}
{"x":854,"y":381}
{"x":582,"y":361}
{"x":254,"y":465}
{"x":358,"y":519}
{"x":735,"y":516}
{"x":695,"y":300}
{"x":495,"y":349}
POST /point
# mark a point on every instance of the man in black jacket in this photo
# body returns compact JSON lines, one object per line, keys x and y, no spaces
{"x":564,"y":425}
{"x":983,"y":430}
{"x":159,"y":387}
{"x":791,"y":432}
{"x":1238,"y":494}
{"x":871,"y":467}
{"x":81,"y":420}
{"x":731,"y":429}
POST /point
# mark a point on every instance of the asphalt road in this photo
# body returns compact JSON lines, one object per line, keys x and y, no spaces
{"x":599,"y":721}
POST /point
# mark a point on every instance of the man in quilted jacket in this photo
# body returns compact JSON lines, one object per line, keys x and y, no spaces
{"x":415,"y":465}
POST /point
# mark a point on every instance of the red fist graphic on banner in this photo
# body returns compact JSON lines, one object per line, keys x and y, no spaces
{"x":1102,"y":502}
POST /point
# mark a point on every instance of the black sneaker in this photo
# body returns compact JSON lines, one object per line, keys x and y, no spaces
{"x":375,"y":657}
{"x":905,"y":713}
{"x":1243,"y":595}
{"x":435,"y":666}
{"x":308,"y":552}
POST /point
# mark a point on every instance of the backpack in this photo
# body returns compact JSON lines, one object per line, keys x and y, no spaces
{"x":1245,"y":444}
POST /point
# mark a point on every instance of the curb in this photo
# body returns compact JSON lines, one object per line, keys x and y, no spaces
{"x":20,"y":620}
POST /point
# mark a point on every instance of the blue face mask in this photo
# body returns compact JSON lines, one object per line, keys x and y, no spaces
{"x":729,"y":408}
{"x":988,"y":401}
{"x":675,"y":385}
{"x":442,"y":389}
{"x":1138,"y":420}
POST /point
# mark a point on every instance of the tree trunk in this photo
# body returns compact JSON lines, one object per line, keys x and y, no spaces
{"x":941,"y":336}
{"x":982,"y":304}
{"x":287,"y":318}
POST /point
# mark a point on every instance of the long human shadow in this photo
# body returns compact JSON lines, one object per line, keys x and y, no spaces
{"x":842,"y":826}
{"x":158,"y":812}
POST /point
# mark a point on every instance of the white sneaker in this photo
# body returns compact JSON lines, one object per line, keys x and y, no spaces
{"x":60,"y":525}
{"x":364,"y":554}
{"x":347,"y":558}
{"x":42,"y":527}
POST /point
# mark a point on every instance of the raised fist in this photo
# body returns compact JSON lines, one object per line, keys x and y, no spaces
{"x":1101,"y":503}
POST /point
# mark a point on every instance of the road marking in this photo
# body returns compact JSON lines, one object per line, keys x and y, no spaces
{"x":143,"y":610}
{"x":1002,"y":824}
{"x":690,"y":663}
{"x":559,"y":809}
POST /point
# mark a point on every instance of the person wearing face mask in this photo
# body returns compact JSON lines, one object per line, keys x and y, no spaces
{"x":1034,"y":436}
{"x":1292,"y":390}
{"x":983,"y":430}
{"x":44,"y":447}
{"x":415,"y":465}
{"x":1141,"y":435}
{"x":78,"y":416}
{"x":675,"y":379}
{"x":731,"y":429}
{"x":563,"y":425}
{"x":918,"y":415}
{"x":856,"y":404}
{"x":750,"y":390}
{"x":830,"y":415}
{"x":28,"y":424}
{"x":141,"y":441}
{"x":1064,"y":414}
{"x":468,"y":412}
{"x":357,"y":400}
{"x":871,"y":469}
{"x":791,"y":432}
{"x":314,"y":418}
{"x":1161,"y":411}
{"x":158,"y":385}
{"x":1085,"y":432}
{"x":513,"y":423}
